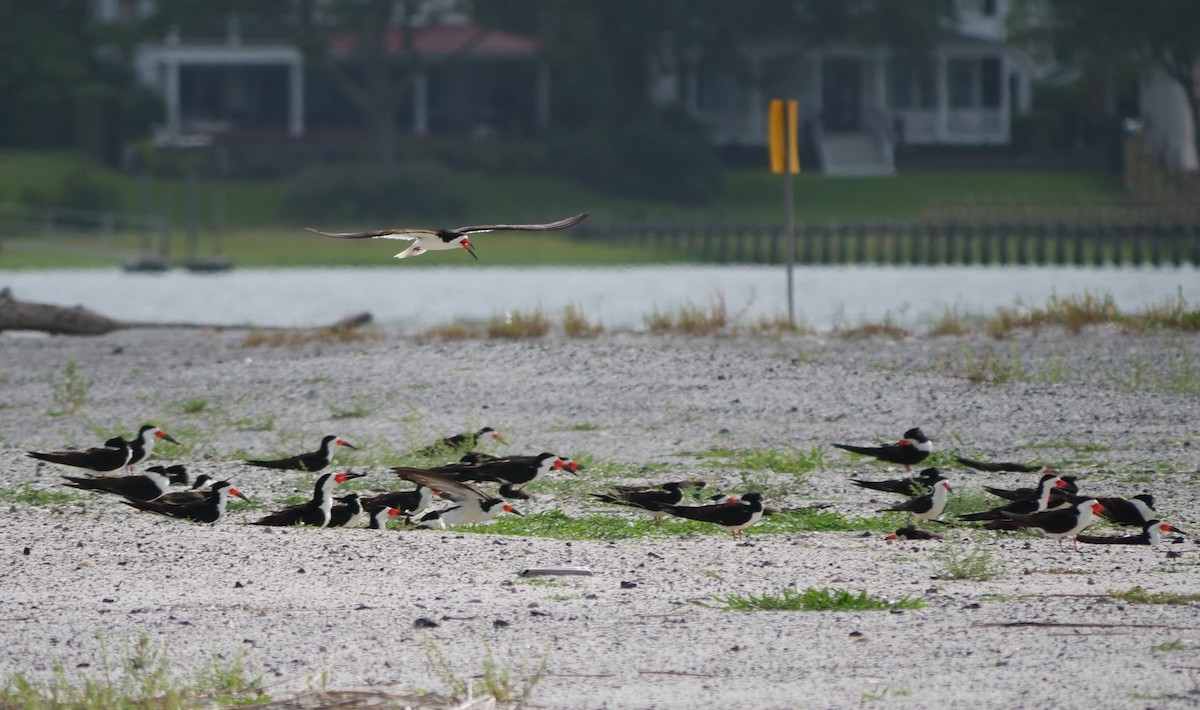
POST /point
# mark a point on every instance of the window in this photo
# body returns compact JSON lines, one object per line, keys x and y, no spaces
{"x":900,"y":88}
{"x":960,"y":75}
{"x":989,"y":85}
{"x":911,"y":87}
{"x":989,"y":8}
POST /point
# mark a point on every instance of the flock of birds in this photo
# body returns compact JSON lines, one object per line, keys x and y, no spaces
{"x":1054,"y":505}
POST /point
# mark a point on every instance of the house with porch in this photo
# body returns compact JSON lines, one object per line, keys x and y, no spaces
{"x":858,"y":103}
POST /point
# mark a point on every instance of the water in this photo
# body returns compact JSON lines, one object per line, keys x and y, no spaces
{"x":826,"y":296}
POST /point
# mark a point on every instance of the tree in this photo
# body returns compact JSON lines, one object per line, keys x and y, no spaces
{"x":1117,"y":36}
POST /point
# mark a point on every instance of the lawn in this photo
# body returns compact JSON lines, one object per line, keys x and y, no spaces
{"x":259,"y":234}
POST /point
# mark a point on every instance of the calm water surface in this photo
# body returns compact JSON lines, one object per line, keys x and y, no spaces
{"x":826,"y":297}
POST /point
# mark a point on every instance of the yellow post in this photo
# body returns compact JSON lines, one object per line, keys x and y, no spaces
{"x":784,"y":146}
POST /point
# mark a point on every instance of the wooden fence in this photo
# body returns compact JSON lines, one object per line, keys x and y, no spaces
{"x":1082,"y":243}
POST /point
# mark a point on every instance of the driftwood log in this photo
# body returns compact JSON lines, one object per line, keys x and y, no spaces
{"x":60,"y":320}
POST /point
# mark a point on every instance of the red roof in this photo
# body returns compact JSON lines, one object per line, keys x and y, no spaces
{"x":446,"y":39}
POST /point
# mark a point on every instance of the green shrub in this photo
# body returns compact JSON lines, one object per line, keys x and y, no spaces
{"x":366,"y":193}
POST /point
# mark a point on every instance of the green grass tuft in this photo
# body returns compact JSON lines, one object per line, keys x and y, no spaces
{"x":29,"y":494}
{"x":812,"y":599}
{"x":1138,"y":595}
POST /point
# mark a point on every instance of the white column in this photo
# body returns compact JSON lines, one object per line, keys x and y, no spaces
{"x":880,"y":81}
{"x":1005,"y":105}
{"x":171,"y":94}
{"x":296,"y":98}
{"x":942,"y":128}
{"x":420,"y":105}
{"x":543,"y":96}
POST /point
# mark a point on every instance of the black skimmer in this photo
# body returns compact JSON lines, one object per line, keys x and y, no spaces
{"x":143,"y":444}
{"x":927,"y":507}
{"x":997,"y":466}
{"x":472,"y":505}
{"x":914,"y":448}
{"x":910,"y":532}
{"x":1060,"y":522}
{"x":911,"y":486}
{"x":312,"y":462}
{"x":1025,"y":506}
{"x":178,"y":474}
{"x":1151,"y":534}
{"x":408,"y":502}
{"x":196,"y":493}
{"x":424,"y":240}
{"x":1135,"y":511}
{"x":1070,"y":485}
{"x":733,"y":516}
{"x":511,"y":472}
{"x":377,"y":520}
{"x":316,"y":510}
{"x":208,"y":509}
{"x":102,"y":459}
{"x":347,"y":513}
{"x":647,"y":500}
{"x":147,"y":486}
{"x":460,"y":442}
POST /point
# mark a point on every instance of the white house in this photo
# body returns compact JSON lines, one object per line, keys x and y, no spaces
{"x":1167,"y":131}
{"x":857,"y":102}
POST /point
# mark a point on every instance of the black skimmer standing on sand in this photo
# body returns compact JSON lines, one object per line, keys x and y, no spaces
{"x":316,"y":511}
{"x":511,"y":472}
{"x":647,"y":500}
{"x":178,"y":474}
{"x":408,"y":502}
{"x":911,"y":486}
{"x":1060,"y":522}
{"x":424,"y":240}
{"x":347,"y":513}
{"x":997,"y":466}
{"x":472,"y":505}
{"x":208,"y":509}
{"x":460,"y":442}
{"x":196,"y":493}
{"x":142,"y":445}
{"x":927,"y":507}
{"x":1135,"y":511}
{"x":1069,"y":485}
{"x":147,"y":486}
{"x":1151,"y":534}
{"x":378,"y":519}
{"x":102,"y":459}
{"x":733,"y":516}
{"x":312,"y":462}
{"x":914,"y":448}
{"x":1025,"y":506}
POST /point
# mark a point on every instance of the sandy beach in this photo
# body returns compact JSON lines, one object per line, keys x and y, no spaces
{"x":343,"y":607}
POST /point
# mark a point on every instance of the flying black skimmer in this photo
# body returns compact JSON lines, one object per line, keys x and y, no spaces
{"x":511,"y":472}
{"x":378,"y":519}
{"x":998,"y":466}
{"x":1151,"y":534}
{"x":1024,"y":506}
{"x":196,"y":493}
{"x":147,"y":486}
{"x":927,"y":507}
{"x":647,"y":500}
{"x":914,"y":448}
{"x":312,"y":462}
{"x":911,"y":486}
{"x":460,"y":442}
{"x":910,"y":532}
{"x":347,"y":513}
{"x":102,"y":459}
{"x":734,"y":517}
{"x":1070,"y":485}
{"x":472,"y":504}
{"x":178,"y":474}
{"x":408,"y":502}
{"x":424,"y":240}
{"x":1060,"y":522}
{"x":316,"y":510}
{"x":1135,"y":511}
{"x":208,"y":509}
{"x":142,"y":445}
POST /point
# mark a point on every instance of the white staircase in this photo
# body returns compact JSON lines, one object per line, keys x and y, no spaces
{"x":856,"y":154}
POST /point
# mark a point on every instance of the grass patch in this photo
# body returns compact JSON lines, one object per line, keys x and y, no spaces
{"x":888,"y":328}
{"x":1138,"y":595}
{"x":494,"y":680}
{"x":775,"y":326}
{"x":345,"y":332}
{"x":957,"y":563}
{"x":139,"y":681}
{"x":29,"y":494}
{"x":690,"y":319}
{"x":811,"y":599}
{"x":452,"y":331}
{"x":68,"y":392}
{"x":519,"y":325}
{"x":785,"y":460}
{"x":195,"y":405}
{"x":576,"y":324}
